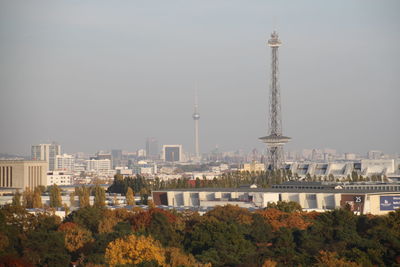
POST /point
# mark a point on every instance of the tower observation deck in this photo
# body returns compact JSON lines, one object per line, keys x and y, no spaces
{"x":275,"y":140}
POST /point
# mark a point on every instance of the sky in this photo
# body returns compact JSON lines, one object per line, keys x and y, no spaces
{"x":100,"y":74}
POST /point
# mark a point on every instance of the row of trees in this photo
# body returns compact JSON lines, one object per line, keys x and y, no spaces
{"x":144,"y":186}
{"x":234,"y":179}
{"x":280,"y":235}
{"x":33,"y":198}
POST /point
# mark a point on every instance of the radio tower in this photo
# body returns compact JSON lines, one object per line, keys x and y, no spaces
{"x":196,"y":118}
{"x":275,"y":140}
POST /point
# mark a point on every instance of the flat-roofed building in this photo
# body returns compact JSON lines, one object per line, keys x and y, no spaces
{"x":311,"y":196}
{"x":59,"y":178}
{"x":20,"y":174}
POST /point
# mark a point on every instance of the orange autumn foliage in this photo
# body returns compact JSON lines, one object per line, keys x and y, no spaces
{"x":13,"y":261}
{"x":278,"y":219}
{"x":75,"y":236}
{"x":133,"y":250}
{"x":142,"y":219}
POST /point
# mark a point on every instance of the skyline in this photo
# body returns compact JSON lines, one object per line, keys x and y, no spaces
{"x":100,"y":75}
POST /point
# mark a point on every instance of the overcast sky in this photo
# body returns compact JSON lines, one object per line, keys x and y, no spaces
{"x":102,"y":74}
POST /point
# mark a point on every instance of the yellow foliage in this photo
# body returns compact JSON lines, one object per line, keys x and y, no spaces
{"x":134,"y":250}
{"x":331,"y":259}
{"x":269,"y":263}
{"x":175,"y":257}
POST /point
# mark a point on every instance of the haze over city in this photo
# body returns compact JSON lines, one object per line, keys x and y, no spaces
{"x":108,"y":74}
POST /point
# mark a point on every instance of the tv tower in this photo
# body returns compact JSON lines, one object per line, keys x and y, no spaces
{"x":196,"y":118}
{"x":275,"y":140}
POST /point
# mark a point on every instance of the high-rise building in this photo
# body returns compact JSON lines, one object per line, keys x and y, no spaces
{"x":65,"y":162}
{"x":152,"y":151}
{"x":172,"y":153}
{"x":46,"y":152}
{"x":196,"y":118}
{"x":116,"y":155}
{"x":275,"y":140}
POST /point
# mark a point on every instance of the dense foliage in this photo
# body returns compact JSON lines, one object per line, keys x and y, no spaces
{"x":280,"y":235}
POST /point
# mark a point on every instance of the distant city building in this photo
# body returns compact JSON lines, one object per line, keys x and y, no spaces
{"x":253,"y":167}
{"x":124,"y":171}
{"x":152,"y":149}
{"x":342,"y":169}
{"x":46,"y":152}
{"x":172,"y":153}
{"x":98,"y":165}
{"x":102,"y":155}
{"x":141,"y":153}
{"x":350,"y":156}
{"x":20,"y":174}
{"x":145,"y":168}
{"x":116,"y":156}
{"x":377,"y":166}
{"x":59,"y":178}
{"x":65,"y":162}
{"x":374,"y":154}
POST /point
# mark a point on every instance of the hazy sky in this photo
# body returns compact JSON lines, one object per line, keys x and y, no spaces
{"x":102,"y":74}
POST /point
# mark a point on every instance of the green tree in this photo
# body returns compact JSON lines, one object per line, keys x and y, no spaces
{"x":84,"y":197}
{"x":220,"y":243}
{"x":16,"y":200}
{"x":285,"y":206}
{"x":72,"y":201}
{"x":27,"y":197}
{"x":87,"y":217}
{"x":37,"y":198}
{"x":46,"y":248}
{"x":130,"y":198}
{"x":55,"y":196}
{"x":99,"y":196}
{"x":161,"y":229}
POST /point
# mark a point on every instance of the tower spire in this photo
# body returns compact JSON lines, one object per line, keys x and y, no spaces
{"x":196,"y":118}
{"x":275,"y":140}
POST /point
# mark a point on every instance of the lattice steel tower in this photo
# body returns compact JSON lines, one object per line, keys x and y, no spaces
{"x":275,"y":140}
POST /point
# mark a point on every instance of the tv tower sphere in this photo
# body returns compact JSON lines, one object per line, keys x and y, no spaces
{"x":275,"y":140}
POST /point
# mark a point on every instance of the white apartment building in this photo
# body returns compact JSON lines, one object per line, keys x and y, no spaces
{"x":98,"y":165}
{"x":46,"y":152}
{"x":59,"y":178}
{"x":65,"y":162}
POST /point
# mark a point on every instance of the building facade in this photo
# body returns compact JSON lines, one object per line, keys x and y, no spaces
{"x":59,"y":178}
{"x":98,"y":165}
{"x":21,"y":174}
{"x":172,"y":153}
{"x":65,"y":162}
{"x":311,"y":197}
